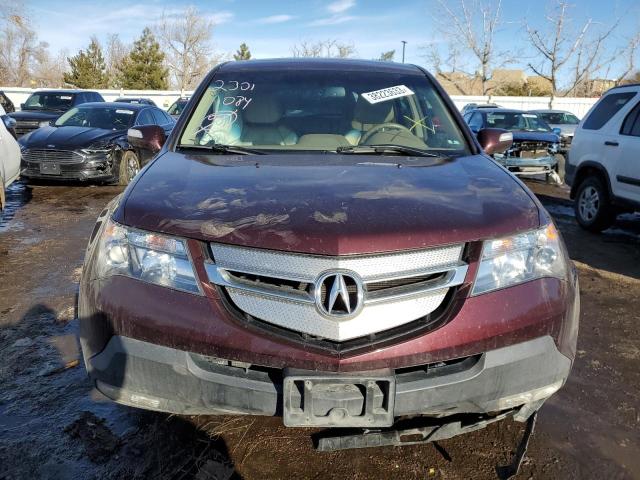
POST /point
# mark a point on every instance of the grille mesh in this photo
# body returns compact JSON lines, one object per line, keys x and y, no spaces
{"x":59,"y":156}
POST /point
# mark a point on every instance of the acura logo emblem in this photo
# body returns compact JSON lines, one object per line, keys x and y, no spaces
{"x":339,"y":294}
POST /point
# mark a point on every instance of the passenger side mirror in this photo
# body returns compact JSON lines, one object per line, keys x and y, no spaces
{"x":557,"y":131}
{"x":495,"y":140}
{"x":147,"y":137}
{"x":22,"y":106}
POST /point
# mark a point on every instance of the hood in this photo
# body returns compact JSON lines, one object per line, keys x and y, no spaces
{"x":565,"y":129}
{"x":39,"y":115}
{"x":69,"y":137}
{"x":523,"y":136}
{"x":348,"y":204}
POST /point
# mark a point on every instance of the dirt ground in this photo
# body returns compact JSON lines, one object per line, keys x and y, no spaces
{"x":54,"y":425}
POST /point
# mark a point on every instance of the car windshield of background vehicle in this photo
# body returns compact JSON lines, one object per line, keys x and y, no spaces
{"x":106,"y":118}
{"x":516,"y":121}
{"x":49,"y":101}
{"x":316,"y":110}
{"x":177,"y":107}
{"x":559,"y":118}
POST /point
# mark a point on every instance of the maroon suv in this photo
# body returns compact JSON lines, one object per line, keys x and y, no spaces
{"x":327,"y":241}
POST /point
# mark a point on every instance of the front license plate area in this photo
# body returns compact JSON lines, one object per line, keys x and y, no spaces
{"x":50,"y":168}
{"x":338,"y":401}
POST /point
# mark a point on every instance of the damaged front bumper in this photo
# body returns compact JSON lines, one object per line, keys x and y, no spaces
{"x":517,"y":378}
{"x":528,"y":166}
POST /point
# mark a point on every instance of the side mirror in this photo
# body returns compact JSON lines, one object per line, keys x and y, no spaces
{"x":147,"y":137}
{"x":10,"y":124}
{"x":557,"y":131}
{"x":22,"y":106}
{"x":495,"y":140}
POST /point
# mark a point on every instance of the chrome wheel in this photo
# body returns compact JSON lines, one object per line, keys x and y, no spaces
{"x":133,"y":167}
{"x":589,"y":203}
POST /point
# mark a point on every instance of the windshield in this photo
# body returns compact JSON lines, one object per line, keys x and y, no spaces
{"x":106,"y":118}
{"x":177,"y":107}
{"x":517,"y":121}
{"x":323,"y":110}
{"x":559,"y":118}
{"x":49,"y":101}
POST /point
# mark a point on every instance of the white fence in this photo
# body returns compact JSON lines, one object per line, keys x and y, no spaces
{"x":164,"y":99}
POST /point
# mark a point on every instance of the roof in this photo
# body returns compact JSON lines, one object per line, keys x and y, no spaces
{"x":547,"y":110}
{"x":319,"y":64}
{"x":498,"y":110}
{"x":128,"y":106}
{"x":68,"y":92}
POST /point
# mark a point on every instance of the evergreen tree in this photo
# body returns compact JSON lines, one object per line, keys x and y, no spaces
{"x":387,"y":56}
{"x":88,"y":69}
{"x":143,"y":68}
{"x":243,"y":53}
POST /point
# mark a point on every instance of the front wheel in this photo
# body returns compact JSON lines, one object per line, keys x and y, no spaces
{"x":592,"y":207}
{"x":129,"y":167}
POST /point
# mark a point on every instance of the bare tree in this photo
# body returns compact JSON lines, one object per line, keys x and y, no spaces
{"x":50,"y":69}
{"x":20,"y":50}
{"x":329,"y":48}
{"x":560,"y":47}
{"x":470,"y":27}
{"x":186,"y":39}
{"x":629,"y":54}
{"x":115,"y":53}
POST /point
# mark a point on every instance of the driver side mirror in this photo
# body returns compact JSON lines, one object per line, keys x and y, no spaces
{"x":147,"y":137}
{"x":10,"y":124}
{"x":495,"y":140}
{"x":22,"y":106}
{"x":556,"y":130}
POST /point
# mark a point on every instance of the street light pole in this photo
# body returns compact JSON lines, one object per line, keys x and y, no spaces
{"x":404,"y":44}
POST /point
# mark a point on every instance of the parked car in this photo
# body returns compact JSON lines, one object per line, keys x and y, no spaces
{"x":474,"y":106}
{"x":332,"y":246}
{"x":536,"y":146}
{"x":604,"y":161}
{"x":6,"y":103}
{"x":89,"y":142}
{"x":176,"y":107}
{"x":9,"y":156}
{"x":45,"y":106}
{"x":140,"y":100}
{"x":565,"y":122}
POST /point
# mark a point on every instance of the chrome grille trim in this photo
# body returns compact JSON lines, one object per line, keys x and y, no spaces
{"x":48,"y":155}
{"x":306,"y":268}
{"x":297,"y":309}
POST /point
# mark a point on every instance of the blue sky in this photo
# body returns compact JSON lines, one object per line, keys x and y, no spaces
{"x":271,"y":28}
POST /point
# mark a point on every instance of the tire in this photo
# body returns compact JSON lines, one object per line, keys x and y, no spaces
{"x":129,"y":167}
{"x":593,"y":209}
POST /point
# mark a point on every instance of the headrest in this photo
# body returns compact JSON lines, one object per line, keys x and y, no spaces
{"x":263,"y":109}
{"x":368,"y":113}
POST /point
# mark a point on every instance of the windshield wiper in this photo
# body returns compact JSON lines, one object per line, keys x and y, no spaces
{"x":221,"y":148}
{"x":387,"y":148}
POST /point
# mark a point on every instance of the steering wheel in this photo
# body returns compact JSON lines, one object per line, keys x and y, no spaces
{"x":381,"y":127}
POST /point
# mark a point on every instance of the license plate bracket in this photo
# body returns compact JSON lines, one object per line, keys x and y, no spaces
{"x":312,"y":400}
{"x":50,"y":168}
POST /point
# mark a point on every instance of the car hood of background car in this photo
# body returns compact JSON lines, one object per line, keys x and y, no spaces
{"x":68,"y":137}
{"x":523,"y":136}
{"x":41,"y":115}
{"x":328,"y":204}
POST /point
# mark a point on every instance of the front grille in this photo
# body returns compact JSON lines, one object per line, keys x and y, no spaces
{"x":48,"y":155}
{"x":26,"y":126}
{"x":381,"y":292}
{"x":530,"y":149}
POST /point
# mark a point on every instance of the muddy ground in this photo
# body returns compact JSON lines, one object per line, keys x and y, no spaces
{"x":53,"y":425}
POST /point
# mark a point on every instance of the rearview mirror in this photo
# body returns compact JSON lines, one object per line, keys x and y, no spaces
{"x":495,"y":140}
{"x":147,"y":137}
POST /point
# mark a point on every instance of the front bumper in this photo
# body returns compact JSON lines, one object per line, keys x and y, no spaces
{"x":94,"y":170}
{"x":521,"y":166}
{"x":142,"y":374}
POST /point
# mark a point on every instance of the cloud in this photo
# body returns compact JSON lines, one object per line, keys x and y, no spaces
{"x":219,"y":18}
{"x":274,"y":19}
{"x":334,"y":20}
{"x":340,"y":6}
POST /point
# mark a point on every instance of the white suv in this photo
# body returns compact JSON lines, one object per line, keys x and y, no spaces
{"x":9,"y":155}
{"x":604,"y":161}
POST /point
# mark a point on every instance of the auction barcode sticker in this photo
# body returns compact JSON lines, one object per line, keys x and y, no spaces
{"x":388,"y":93}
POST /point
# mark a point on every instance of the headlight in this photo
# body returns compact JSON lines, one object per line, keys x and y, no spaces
{"x":520,"y":258}
{"x":150,"y":257}
{"x":96,"y":151}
